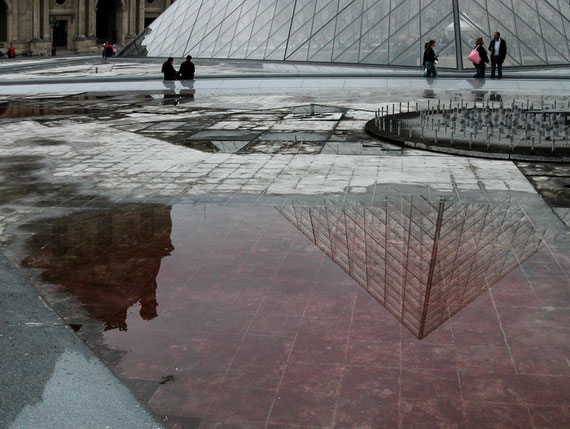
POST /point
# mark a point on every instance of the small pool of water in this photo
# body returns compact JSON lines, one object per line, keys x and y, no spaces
{"x":256,"y":316}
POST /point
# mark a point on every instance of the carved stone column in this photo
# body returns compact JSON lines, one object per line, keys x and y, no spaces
{"x":45,"y":18}
{"x":15,"y":25}
{"x":140,"y":20}
{"x":132,"y":5}
{"x":92,"y":8}
{"x":35,"y":24}
{"x":80,"y":21}
{"x":10,"y":26}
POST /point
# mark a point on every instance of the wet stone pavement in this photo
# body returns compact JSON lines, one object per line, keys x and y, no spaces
{"x":232,"y":276}
{"x":304,"y":129}
{"x":228,"y":315}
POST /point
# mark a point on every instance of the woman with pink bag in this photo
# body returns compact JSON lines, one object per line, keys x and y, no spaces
{"x":479,"y":58}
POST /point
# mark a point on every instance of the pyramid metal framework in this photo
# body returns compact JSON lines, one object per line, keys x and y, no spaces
{"x":371,"y":32}
{"x":422,"y":261}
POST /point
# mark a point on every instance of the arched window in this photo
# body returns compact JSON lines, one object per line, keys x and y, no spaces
{"x":107,"y":21}
{"x":3,"y":22}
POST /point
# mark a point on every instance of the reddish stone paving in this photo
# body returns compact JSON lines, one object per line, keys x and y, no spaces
{"x":260,"y":329}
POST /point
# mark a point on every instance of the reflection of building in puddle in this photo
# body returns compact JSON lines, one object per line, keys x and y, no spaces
{"x":107,"y":259}
{"x":421,"y":260}
{"x":23,"y":109}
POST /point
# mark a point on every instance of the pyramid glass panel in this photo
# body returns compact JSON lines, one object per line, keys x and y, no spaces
{"x":238,"y":45}
{"x":370,"y":32}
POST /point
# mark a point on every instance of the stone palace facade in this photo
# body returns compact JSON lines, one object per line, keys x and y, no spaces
{"x":32,"y":26}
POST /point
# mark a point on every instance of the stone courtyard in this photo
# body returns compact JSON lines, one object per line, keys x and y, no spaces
{"x":241,"y":253}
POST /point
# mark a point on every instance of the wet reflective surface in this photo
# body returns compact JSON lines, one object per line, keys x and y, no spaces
{"x":227,"y":315}
{"x":107,"y":261}
{"x":171,"y":116}
{"x":423,"y":260}
{"x":180,"y":270}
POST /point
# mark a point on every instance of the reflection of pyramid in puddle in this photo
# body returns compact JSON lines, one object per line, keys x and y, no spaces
{"x":421,"y":260}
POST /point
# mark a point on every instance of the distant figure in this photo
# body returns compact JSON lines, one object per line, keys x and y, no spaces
{"x":430,"y":60}
{"x":108,"y":51}
{"x":479,"y":45}
{"x":168,"y":69}
{"x":498,"y":49}
{"x":11,"y":52}
{"x":187,"y":69}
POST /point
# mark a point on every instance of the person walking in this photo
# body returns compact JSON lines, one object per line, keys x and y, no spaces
{"x":480,"y":47}
{"x":168,"y":69}
{"x":187,"y":69}
{"x":498,"y":49}
{"x":430,"y":60}
{"x":11,"y":52}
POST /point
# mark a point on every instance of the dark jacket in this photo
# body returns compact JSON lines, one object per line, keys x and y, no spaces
{"x":502,"y":51}
{"x":169,"y":71}
{"x":429,"y":55}
{"x":108,"y":52}
{"x":186,"y":71}
{"x":483,"y":54}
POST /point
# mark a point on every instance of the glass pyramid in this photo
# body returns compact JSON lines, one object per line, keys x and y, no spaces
{"x":370,"y":32}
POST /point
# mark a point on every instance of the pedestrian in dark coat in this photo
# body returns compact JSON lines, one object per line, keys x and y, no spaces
{"x":498,"y":50}
{"x":168,"y":69}
{"x":430,"y":60}
{"x":11,"y":52}
{"x":187,"y":69}
{"x":108,"y":51}
{"x":480,"y":46}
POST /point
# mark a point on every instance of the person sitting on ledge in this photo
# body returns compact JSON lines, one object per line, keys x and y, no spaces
{"x":169,"y":70}
{"x":187,"y":69}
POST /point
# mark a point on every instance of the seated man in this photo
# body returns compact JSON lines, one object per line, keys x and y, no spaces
{"x":168,"y":69}
{"x":187,"y":68}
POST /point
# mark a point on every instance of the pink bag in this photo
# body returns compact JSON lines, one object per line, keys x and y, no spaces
{"x":474,"y":56}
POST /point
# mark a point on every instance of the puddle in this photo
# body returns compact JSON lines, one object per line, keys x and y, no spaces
{"x":77,"y":104}
{"x":108,"y":261}
{"x":229,"y":146}
{"x":204,"y":146}
{"x":423,"y":261}
{"x":234,"y":313}
{"x":294,"y":137}
{"x":295,"y":130}
{"x":17,"y":109}
{"x":42,"y":141}
{"x":312,"y":109}
{"x":37,"y":108}
{"x":225,"y":135}
{"x":551,"y":180}
{"x":354,"y":148}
